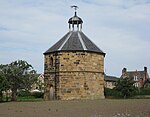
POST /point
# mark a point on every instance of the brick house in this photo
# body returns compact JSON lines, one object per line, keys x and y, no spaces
{"x":74,"y":66}
{"x":138,"y":76}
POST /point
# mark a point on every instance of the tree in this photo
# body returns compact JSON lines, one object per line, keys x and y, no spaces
{"x":4,"y":83}
{"x":125,"y":88}
{"x":21,"y":75}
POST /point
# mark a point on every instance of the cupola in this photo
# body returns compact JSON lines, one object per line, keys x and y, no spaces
{"x":75,"y":21}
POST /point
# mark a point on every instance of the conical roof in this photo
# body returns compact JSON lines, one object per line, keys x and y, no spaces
{"x":74,"y":41}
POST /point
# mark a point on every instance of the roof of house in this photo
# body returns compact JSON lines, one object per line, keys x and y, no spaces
{"x":110,"y":78}
{"x":74,"y":41}
{"x":139,"y":74}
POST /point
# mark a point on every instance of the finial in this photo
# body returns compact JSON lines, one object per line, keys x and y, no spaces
{"x":75,"y":7}
{"x":75,"y":20}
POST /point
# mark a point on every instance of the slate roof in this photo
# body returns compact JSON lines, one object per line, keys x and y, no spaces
{"x":139,"y":74}
{"x":110,"y":78}
{"x":74,"y":41}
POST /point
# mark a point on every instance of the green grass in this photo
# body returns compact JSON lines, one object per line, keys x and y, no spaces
{"x":29,"y":98}
{"x":24,"y":99}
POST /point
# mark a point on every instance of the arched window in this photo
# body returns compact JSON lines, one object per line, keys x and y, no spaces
{"x":51,"y":62}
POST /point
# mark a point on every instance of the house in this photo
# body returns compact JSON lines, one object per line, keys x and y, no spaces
{"x":147,"y":82}
{"x":110,"y":81}
{"x":74,"y":66}
{"x":39,"y":85}
{"x":138,"y":76}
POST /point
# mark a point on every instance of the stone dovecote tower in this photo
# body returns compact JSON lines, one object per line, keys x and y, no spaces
{"x":74,"y":66}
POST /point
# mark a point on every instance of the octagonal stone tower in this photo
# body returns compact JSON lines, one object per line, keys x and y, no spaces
{"x":74,"y":66}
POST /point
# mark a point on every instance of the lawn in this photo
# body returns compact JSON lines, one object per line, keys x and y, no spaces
{"x":77,"y":108}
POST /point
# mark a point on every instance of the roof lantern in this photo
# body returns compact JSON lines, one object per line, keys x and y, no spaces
{"x":75,"y":20}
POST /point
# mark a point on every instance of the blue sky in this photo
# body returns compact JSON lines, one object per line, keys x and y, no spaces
{"x":121,"y":28}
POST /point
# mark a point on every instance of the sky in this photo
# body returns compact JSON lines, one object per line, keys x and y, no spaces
{"x":121,"y":28}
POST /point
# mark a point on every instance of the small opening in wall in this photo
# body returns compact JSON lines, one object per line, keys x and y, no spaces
{"x":51,"y":85}
{"x":86,"y":86}
{"x":51,"y":62}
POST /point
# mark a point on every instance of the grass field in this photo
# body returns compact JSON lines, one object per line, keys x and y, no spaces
{"x":77,"y":108}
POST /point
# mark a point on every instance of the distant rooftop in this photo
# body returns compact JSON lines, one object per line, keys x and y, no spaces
{"x":110,"y":78}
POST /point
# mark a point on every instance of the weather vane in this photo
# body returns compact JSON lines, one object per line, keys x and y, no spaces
{"x":75,"y":7}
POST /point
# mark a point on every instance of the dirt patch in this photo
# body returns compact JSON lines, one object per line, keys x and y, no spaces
{"x":77,"y":108}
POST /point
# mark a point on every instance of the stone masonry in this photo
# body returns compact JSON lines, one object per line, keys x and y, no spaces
{"x":74,"y":75}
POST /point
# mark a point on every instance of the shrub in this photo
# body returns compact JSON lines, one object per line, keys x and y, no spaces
{"x":111,"y":93}
{"x":38,"y":94}
{"x":144,"y":91}
{"x":125,"y":88}
{"x":108,"y":92}
{"x":24,"y":93}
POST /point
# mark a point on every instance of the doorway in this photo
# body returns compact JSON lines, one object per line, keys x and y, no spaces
{"x":51,"y":92}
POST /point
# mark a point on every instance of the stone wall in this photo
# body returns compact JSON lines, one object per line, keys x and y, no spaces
{"x":75,"y":75}
{"x":81,"y":85}
{"x":81,"y":61}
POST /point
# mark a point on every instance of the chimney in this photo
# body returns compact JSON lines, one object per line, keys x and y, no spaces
{"x":145,"y":73}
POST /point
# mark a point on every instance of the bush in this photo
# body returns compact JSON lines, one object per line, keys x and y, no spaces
{"x":24,"y":93}
{"x":108,"y":92}
{"x":144,"y":91}
{"x":111,"y":93}
{"x":38,"y":94}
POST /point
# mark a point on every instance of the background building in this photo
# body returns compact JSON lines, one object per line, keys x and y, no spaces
{"x":138,"y":76}
{"x":39,"y":84}
{"x":110,"y":81}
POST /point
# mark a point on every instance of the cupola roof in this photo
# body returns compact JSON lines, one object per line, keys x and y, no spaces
{"x":75,"y":19}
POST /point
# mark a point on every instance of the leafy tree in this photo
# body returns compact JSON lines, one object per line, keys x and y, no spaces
{"x":21,"y":76}
{"x":4,"y":83}
{"x":125,"y":88}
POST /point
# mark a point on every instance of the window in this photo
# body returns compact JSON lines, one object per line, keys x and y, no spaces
{"x":136,"y":84}
{"x":51,"y":62}
{"x":135,"y":78}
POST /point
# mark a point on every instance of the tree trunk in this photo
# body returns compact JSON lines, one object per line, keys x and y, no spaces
{"x":6,"y":96}
{"x":14,"y":93}
{"x":125,"y":96}
{"x":1,"y":96}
